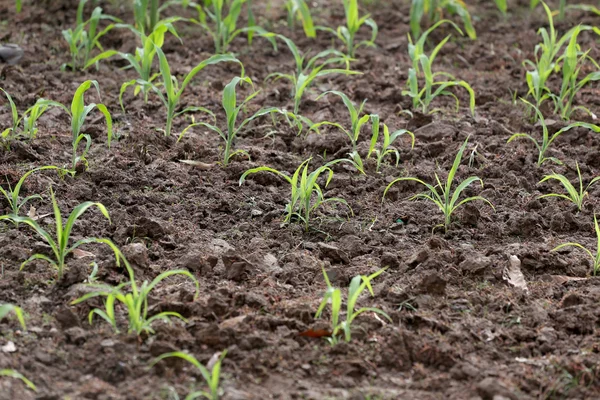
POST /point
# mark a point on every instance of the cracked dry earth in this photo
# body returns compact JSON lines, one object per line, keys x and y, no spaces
{"x":460,"y":330}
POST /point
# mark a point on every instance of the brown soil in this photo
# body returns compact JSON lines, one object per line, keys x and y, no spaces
{"x":459,"y":330}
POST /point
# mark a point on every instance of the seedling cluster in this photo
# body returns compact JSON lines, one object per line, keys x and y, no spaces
{"x":126,"y":305}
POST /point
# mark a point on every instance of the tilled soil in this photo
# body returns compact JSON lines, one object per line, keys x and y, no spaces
{"x":459,"y":330}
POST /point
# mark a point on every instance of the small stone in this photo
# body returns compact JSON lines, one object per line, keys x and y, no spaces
{"x":137,"y":254}
{"x":44,"y":357}
{"x":333,"y":253}
{"x":489,"y":388}
{"x":67,"y":318}
{"x":236,"y":267}
{"x":389,"y":260}
{"x":76,"y":335}
{"x":107,"y":343}
{"x":432,"y":284}
{"x":256,"y":212}
{"x":475,"y":265}
{"x":9,"y":347}
{"x":10,"y":53}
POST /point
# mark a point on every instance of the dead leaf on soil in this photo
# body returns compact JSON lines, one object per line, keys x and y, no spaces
{"x":9,"y":348}
{"x":203,"y":166}
{"x":561,"y":279}
{"x":513,"y":275}
{"x":78,"y":253}
{"x":232,"y":322}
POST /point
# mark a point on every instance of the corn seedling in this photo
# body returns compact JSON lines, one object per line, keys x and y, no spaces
{"x":358,"y":284}
{"x":546,"y":59}
{"x":232,"y":110}
{"x":173,"y":90}
{"x":434,"y":9}
{"x":562,"y":7}
{"x":86,"y":35}
{"x":303,"y":185}
{"x":543,"y":145}
{"x":135,"y":301}
{"x":11,"y":373}
{"x":146,"y":14}
{"x":18,"y":5}
{"x":297,"y":10}
{"x":223,"y":27}
{"x":442,"y":194}
{"x":144,"y":56}
{"x":422,"y":65}
{"x":573,"y":195}
{"x":78,"y":114}
{"x":386,"y":147}
{"x":595,"y":257}
{"x":6,"y":309}
{"x":356,"y":122}
{"x":15,"y":203}
{"x":59,"y":240}
{"x":572,"y":62}
{"x":307,"y":71}
{"x":347,"y":34}
{"x":211,"y":377}
{"x":29,"y":120}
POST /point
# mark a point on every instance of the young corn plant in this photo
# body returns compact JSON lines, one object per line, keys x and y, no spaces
{"x":211,"y":376}
{"x":232,"y":111}
{"x":86,"y":36}
{"x":422,"y":65}
{"x":143,"y":59}
{"x":11,"y":373}
{"x":442,"y":194}
{"x":6,"y":309}
{"x":303,"y":185}
{"x":434,"y":9}
{"x":78,"y":114}
{"x":307,"y":71}
{"x":173,"y":90}
{"x":594,"y":257}
{"x":28,"y":119}
{"x":134,"y":300}
{"x":543,"y":145}
{"x":572,"y":62}
{"x":546,"y":59}
{"x":60,"y":238}
{"x":223,"y":27}
{"x":576,"y":196}
{"x":347,"y":34}
{"x":358,"y":284}
{"x":298,"y":10}
{"x":356,"y":122}
{"x":386,"y":148}
{"x":15,"y":203}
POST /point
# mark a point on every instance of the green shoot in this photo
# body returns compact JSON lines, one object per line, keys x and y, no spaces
{"x":356,"y":122}
{"x":386,"y":147}
{"x":223,"y":27}
{"x":15,"y":203}
{"x":85,"y":37}
{"x":595,"y":257}
{"x":29,"y":120}
{"x":60,"y":241}
{"x":14,"y":374}
{"x":135,"y":301}
{"x":442,"y":194}
{"x":307,"y":71}
{"x":144,"y":56}
{"x":422,"y":65}
{"x":78,"y":114}
{"x":232,"y":110}
{"x":173,"y":90}
{"x":347,"y":33}
{"x":434,"y":9}
{"x":297,"y":10}
{"x":18,"y":5}
{"x":303,"y":185}
{"x":6,"y":309}
{"x":358,"y":284}
{"x":211,"y":377}
{"x":573,"y":61}
{"x":543,"y":145}
{"x":573,"y":195}
{"x":546,"y":59}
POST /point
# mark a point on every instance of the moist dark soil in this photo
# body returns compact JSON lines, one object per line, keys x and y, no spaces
{"x":459,"y":329}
